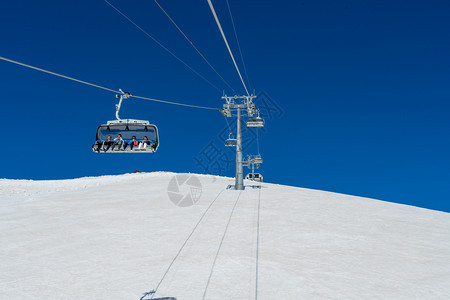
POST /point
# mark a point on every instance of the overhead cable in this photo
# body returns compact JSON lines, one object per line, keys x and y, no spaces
{"x":161,"y":45}
{"x":56,"y":74}
{"x":229,"y":128}
{"x":192,"y":44}
{"x":175,"y":103}
{"x":239,"y":45}
{"x":226,"y":43}
{"x":102,"y":87}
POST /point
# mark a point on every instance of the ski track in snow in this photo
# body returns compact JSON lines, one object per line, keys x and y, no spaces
{"x":115,"y":236}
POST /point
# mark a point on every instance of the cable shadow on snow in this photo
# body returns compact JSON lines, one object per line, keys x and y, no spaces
{"x":231,"y":186}
{"x":149,"y":296}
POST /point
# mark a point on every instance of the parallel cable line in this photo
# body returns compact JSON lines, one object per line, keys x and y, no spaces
{"x":161,"y":45}
{"x":220,"y":246}
{"x":239,"y":45}
{"x":185,"y":242}
{"x":175,"y":103}
{"x":257,"y":140}
{"x":56,"y":74}
{"x":192,"y":44}
{"x":102,"y":87}
{"x":229,"y":128}
{"x":226,"y":43}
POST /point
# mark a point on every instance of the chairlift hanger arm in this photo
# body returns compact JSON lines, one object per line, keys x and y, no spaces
{"x":123,"y":95}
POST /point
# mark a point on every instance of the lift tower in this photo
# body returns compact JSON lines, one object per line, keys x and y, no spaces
{"x":238,"y":103}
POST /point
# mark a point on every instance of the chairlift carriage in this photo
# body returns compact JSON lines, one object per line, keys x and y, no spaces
{"x":254,"y":161}
{"x":254,"y":177}
{"x":146,"y":134}
{"x":255,"y":122}
{"x":230,"y":142}
{"x":257,"y":159}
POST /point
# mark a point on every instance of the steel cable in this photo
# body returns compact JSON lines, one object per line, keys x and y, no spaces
{"x":161,"y":45}
{"x":239,"y":45}
{"x":192,"y":44}
{"x":102,"y":87}
{"x":226,"y":43}
{"x":185,"y":242}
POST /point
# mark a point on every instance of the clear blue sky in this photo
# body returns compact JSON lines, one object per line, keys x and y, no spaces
{"x":362,"y":89}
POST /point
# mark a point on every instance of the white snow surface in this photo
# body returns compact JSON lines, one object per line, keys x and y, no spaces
{"x":113,"y":237}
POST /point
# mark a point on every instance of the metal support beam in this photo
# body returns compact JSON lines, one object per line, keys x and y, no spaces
{"x":253,"y":171}
{"x":239,"y":184}
{"x":239,"y":103}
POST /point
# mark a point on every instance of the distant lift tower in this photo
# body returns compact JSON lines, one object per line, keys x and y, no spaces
{"x":238,"y":103}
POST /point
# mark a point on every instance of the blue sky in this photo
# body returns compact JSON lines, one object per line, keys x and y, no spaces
{"x":361,"y":90}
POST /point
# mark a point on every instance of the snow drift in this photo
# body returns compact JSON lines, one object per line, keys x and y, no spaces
{"x":113,"y":237}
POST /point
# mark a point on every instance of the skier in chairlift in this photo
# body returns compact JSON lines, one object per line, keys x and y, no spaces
{"x":143,"y":145}
{"x":118,"y":141}
{"x":108,"y":143}
{"x":132,"y":143}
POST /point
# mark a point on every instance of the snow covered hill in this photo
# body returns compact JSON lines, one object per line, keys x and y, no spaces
{"x":114,"y":237}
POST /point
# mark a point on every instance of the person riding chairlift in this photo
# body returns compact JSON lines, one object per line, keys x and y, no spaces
{"x":99,"y":145}
{"x":144,"y":143}
{"x":118,"y":141}
{"x":107,"y":144}
{"x":132,"y":143}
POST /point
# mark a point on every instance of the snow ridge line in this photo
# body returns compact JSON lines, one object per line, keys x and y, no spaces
{"x":185,"y":242}
{"x":220,"y":245}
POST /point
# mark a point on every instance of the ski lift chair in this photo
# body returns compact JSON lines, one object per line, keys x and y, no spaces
{"x":255,"y":122}
{"x":230,"y":142}
{"x":254,"y":177}
{"x":127,"y":128}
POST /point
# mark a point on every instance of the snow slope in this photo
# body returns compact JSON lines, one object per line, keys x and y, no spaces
{"x":113,"y":237}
